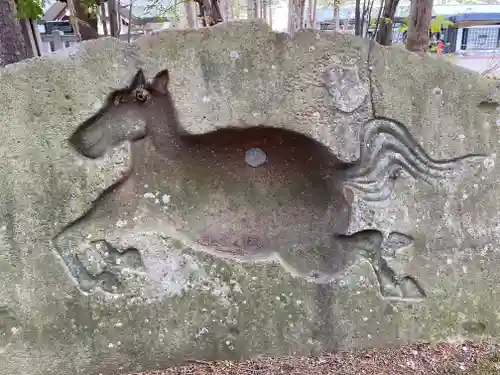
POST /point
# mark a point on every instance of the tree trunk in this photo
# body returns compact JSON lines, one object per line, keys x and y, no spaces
{"x":249,"y":9}
{"x":270,"y":11}
{"x":295,"y":15}
{"x":302,"y":12}
{"x":384,"y":36}
{"x":12,"y":44}
{"x":362,"y":18}
{"x":129,"y":31}
{"x":309,"y":13}
{"x":114,"y":27}
{"x":336,"y":14}
{"x":224,"y":8}
{"x":87,"y":21}
{"x":357,"y":18}
{"x":104,"y":19}
{"x":190,"y":14}
{"x":417,"y":39}
{"x":313,"y":13}
{"x":27,"y":27}
{"x":257,"y":8}
{"x":212,"y":12}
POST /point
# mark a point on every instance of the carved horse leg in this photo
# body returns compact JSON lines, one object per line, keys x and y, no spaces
{"x":85,"y":236}
{"x":391,"y":285}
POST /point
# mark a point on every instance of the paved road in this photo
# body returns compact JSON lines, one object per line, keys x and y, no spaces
{"x":481,"y":64}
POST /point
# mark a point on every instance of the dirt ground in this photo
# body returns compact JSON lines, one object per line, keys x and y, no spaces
{"x":443,"y":359}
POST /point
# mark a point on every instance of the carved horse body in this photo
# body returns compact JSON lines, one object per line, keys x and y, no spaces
{"x":240,"y":193}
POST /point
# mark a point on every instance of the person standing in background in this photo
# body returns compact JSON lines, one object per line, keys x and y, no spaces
{"x":440,"y":47}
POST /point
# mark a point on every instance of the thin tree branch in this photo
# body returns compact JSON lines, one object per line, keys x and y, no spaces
{"x":129,"y":31}
{"x":377,"y":24}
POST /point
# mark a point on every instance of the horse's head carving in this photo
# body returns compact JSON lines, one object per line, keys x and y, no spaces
{"x":125,"y":115}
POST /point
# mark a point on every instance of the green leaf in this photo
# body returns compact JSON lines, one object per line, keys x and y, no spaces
{"x":30,"y":9}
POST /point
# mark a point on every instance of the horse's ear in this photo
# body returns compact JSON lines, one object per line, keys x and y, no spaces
{"x":139,"y":80}
{"x":160,"y":81}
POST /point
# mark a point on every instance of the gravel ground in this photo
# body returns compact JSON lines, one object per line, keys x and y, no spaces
{"x":442,"y":359}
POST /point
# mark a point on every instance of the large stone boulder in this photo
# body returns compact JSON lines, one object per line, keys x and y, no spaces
{"x":351,"y":200}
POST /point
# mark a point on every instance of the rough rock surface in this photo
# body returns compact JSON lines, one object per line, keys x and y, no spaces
{"x":149,"y":294}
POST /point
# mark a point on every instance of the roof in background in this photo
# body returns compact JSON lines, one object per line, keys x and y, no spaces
{"x":140,"y":12}
{"x":53,"y":11}
{"x":474,"y":17}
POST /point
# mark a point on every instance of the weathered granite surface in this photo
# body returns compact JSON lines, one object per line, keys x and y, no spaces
{"x":206,"y":256}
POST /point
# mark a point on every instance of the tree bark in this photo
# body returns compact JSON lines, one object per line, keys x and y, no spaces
{"x":12,"y":43}
{"x":313,"y":13}
{"x":87,"y":21}
{"x":190,"y":14}
{"x":250,"y":9}
{"x":357,"y":18}
{"x":302,"y":13}
{"x":129,"y":31}
{"x":257,"y":8}
{"x":224,"y":9}
{"x":114,"y":27}
{"x":270,"y":11}
{"x":309,"y":13}
{"x":295,"y":15}
{"x":336,"y":14}
{"x":417,"y":39}
{"x":104,"y":19}
{"x":384,"y":36}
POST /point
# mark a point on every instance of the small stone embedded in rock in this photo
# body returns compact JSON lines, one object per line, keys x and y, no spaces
{"x":489,"y":163}
{"x":437,"y":91}
{"x":165,"y":199}
{"x":255,"y":157}
{"x":121,"y":223}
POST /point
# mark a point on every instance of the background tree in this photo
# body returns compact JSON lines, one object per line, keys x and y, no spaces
{"x":336,"y":13}
{"x":438,"y":23}
{"x":417,"y":39}
{"x":86,"y":14}
{"x":295,"y":15}
{"x":384,"y":32}
{"x":357,"y":18}
{"x":12,"y":44}
{"x":335,"y":4}
{"x":364,"y":17}
{"x":311,"y":13}
{"x":189,"y":15}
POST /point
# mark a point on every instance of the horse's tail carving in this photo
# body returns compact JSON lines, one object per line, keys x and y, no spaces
{"x":387,"y":148}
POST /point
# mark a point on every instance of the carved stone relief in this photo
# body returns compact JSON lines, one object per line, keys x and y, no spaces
{"x":257,"y":193}
{"x":345,"y":87}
